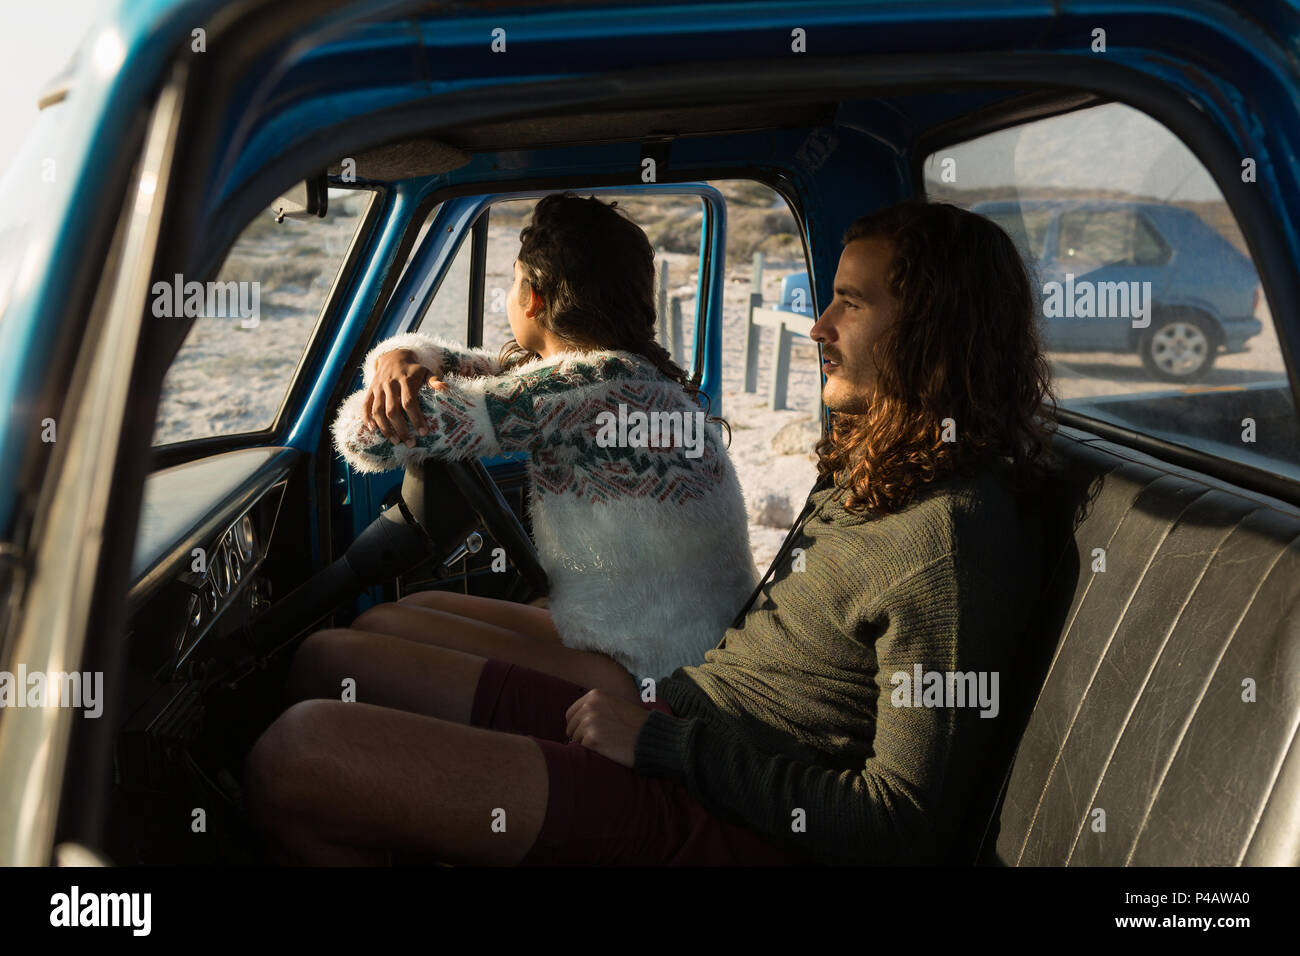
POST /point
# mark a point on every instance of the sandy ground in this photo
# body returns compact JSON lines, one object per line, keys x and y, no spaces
{"x":227,"y":379}
{"x":1084,"y":374}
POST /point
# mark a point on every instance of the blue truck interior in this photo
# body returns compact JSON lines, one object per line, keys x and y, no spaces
{"x":884,"y":86}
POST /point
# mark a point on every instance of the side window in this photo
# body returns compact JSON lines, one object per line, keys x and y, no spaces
{"x":1148,"y":248}
{"x":672,"y":224}
{"x":774,"y":411}
{"x":254,"y":321}
{"x":1150,"y":307}
{"x":505,"y":220}
{"x":447,"y":315}
{"x":771,"y":374}
{"x":1091,"y":239}
{"x":1027,"y":228}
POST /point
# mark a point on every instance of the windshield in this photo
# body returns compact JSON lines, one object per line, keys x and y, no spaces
{"x":258,"y":314}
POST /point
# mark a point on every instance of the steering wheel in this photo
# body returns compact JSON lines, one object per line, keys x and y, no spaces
{"x":414,"y":522}
{"x":424,"y":493}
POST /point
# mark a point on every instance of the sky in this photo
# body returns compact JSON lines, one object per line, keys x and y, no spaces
{"x":37,"y":41}
{"x":1110,"y":147}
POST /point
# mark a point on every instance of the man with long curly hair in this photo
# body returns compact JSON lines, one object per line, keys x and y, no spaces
{"x":848,"y":716}
{"x":850,"y":712}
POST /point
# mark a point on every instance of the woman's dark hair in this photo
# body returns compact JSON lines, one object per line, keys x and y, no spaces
{"x":965,"y":346}
{"x":594,"y":269}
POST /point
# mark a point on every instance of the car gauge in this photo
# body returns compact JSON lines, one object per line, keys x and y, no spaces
{"x":245,"y":539}
{"x":220,"y":573}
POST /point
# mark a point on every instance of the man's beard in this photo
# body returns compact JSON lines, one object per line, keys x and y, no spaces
{"x":856,"y":402}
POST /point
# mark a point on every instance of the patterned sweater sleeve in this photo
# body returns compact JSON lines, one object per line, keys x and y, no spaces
{"x":888,"y":811}
{"x":441,"y":356}
{"x":477,"y":417}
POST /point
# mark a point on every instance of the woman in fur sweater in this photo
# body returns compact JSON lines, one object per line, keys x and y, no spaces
{"x":638,"y":516}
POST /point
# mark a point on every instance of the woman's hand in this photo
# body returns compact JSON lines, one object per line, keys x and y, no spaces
{"x":393,"y":396}
{"x":606,"y":724}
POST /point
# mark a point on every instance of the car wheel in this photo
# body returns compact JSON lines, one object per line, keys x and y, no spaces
{"x":1179,"y":347}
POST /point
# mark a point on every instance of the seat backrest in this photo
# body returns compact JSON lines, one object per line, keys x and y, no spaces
{"x":1160,"y":727}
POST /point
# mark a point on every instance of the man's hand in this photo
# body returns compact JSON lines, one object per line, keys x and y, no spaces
{"x":606,"y":724}
{"x":393,"y":396}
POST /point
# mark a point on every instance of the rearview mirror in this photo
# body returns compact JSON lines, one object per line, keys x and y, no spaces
{"x":307,"y":200}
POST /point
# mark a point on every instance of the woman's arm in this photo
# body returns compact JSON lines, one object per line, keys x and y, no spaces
{"x":439,"y":356}
{"x":466,"y":418}
{"x":395,"y":371}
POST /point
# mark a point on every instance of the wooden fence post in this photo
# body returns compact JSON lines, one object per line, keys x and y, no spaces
{"x":751,"y":330}
{"x":675,"y":330}
{"x":779,"y":379}
{"x":662,"y":310}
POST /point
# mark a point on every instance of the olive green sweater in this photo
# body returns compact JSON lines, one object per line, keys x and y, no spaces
{"x":800,"y":724}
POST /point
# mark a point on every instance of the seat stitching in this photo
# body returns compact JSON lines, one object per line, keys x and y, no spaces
{"x":1056,"y":654}
{"x":1250,"y":839}
{"x":1146,"y":678}
{"x":1084,"y":597}
{"x":1182,"y":732}
{"x":1051,"y":773}
{"x":1277,"y":770}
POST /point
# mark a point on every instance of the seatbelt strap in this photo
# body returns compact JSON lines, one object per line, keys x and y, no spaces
{"x":784,"y":550}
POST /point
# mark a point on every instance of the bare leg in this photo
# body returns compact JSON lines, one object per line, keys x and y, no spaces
{"x":324,"y":793}
{"x":387,"y":671}
{"x":520,"y":618}
{"x":425,"y":678}
{"x":427,"y":625}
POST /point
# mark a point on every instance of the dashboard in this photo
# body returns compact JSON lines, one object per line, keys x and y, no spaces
{"x":206,"y":528}
{"x":224,"y":574}
{"x":208,"y":550}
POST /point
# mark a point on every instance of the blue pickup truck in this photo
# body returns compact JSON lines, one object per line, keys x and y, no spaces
{"x":349,"y":158}
{"x":1196,"y":293}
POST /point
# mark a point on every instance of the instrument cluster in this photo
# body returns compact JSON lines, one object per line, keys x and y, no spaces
{"x":222,"y":577}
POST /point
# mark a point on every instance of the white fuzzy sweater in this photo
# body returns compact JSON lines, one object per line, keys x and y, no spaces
{"x":644,"y":538}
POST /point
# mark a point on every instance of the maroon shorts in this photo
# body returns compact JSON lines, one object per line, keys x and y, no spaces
{"x":599,"y":811}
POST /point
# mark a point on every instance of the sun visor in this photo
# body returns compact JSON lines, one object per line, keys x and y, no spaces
{"x":406,"y":160}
